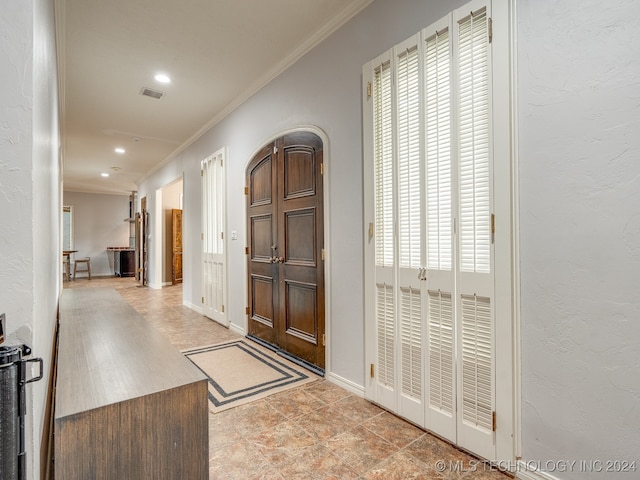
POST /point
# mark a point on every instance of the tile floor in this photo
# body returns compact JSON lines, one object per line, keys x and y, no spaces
{"x":317,"y":431}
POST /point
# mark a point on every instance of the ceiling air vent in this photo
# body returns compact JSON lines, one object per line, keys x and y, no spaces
{"x":151,"y":93}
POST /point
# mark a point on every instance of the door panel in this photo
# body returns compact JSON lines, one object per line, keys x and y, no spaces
{"x":301,"y":233}
{"x":263,"y":291}
{"x":285,"y":211}
{"x":176,"y":223}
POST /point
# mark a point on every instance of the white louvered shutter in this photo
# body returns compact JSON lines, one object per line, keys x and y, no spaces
{"x":431,"y":184}
{"x":439,"y":214}
{"x":410,"y":220}
{"x":214,"y":283}
{"x":383,"y":156}
{"x":475,"y":284}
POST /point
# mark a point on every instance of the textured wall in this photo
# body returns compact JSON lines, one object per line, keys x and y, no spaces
{"x":30,"y":193}
{"x":579,"y":101}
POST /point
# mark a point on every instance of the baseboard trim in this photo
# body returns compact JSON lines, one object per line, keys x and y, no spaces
{"x":528,"y":471}
{"x":193,"y":307}
{"x":236,"y":329}
{"x":346,"y":384}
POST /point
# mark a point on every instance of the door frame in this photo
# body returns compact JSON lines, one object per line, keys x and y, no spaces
{"x":327,"y":229}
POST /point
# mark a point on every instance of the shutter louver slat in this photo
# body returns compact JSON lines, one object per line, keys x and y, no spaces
{"x":473,"y":136}
{"x":409,"y":198}
{"x":386,"y":334}
{"x":477,"y":347}
{"x":438,"y":151}
{"x":440,"y":328}
{"x":411,"y":336}
{"x":383,"y":160}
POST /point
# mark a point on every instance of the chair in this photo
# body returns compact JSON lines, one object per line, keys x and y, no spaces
{"x":82,"y":261}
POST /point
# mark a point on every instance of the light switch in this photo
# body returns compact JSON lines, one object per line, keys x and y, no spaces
{"x":234,"y":234}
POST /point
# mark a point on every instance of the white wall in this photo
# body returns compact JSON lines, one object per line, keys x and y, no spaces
{"x":30,"y":210}
{"x":98,"y":223}
{"x":579,"y":65}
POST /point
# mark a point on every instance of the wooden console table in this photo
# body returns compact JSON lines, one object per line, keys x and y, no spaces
{"x":128,"y":404}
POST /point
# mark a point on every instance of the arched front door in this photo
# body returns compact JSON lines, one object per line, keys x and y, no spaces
{"x":286,"y":247}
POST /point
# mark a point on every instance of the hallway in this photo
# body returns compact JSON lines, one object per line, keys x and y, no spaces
{"x":317,"y":431}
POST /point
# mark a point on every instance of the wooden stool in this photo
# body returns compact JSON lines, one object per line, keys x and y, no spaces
{"x":86,"y":261}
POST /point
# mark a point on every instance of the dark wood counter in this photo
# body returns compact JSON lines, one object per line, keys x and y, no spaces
{"x":128,"y":404}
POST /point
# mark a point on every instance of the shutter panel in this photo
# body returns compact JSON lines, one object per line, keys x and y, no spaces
{"x":441,"y":359}
{"x":477,"y":335}
{"x":386,"y":328}
{"x":475,"y":278}
{"x":439,"y":222}
{"x":409,"y":204}
{"x":438,"y":149}
{"x":410,"y":220}
{"x":411,"y":342}
{"x":383,"y":161}
{"x":385,"y":312}
{"x":473,"y":101}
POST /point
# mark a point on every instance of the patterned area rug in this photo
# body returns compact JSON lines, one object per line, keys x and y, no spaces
{"x":241,"y":371}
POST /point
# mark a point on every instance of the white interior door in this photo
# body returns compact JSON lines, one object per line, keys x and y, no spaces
{"x":213,"y":241}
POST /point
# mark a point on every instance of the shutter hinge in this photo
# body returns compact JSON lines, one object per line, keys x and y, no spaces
{"x":221,"y":235}
{"x":372,"y":370}
{"x":222,"y":309}
{"x":490,"y":29}
{"x":322,"y":169}
{"x":275,"y":149}
{"x":368,"y":89}
{"x":246,"y":250}
{"x":246,"y":310}
{"x":202,"y":299}
{"x":246,"y":190}
{"x":202,"y":236}
{"x":221,"y":162}
{"x":370,"y":231}
{"x":324,"y":339}
{"x":202,"y":173}
{"x":323,"y":255}
{"x":493,"y":228}
{"x":493,"y":421}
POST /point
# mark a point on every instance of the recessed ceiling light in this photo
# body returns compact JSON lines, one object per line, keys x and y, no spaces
{"x":162,"y":78}
{"x":119,"y":150}
{"x":104,"y":174}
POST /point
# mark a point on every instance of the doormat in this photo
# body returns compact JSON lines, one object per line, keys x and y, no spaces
{"x":239,"y":373}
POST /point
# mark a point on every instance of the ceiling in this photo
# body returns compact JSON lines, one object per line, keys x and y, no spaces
{"x":216,"y":52}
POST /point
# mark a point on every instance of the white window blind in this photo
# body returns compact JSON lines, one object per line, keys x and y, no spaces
{"x":383,"y":161}
{"x":438,"y":149}
{"x":409,"y":199}
{"x":473,"y":141}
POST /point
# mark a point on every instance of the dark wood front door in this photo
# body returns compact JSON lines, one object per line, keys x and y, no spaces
{"x":285,"y":253}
